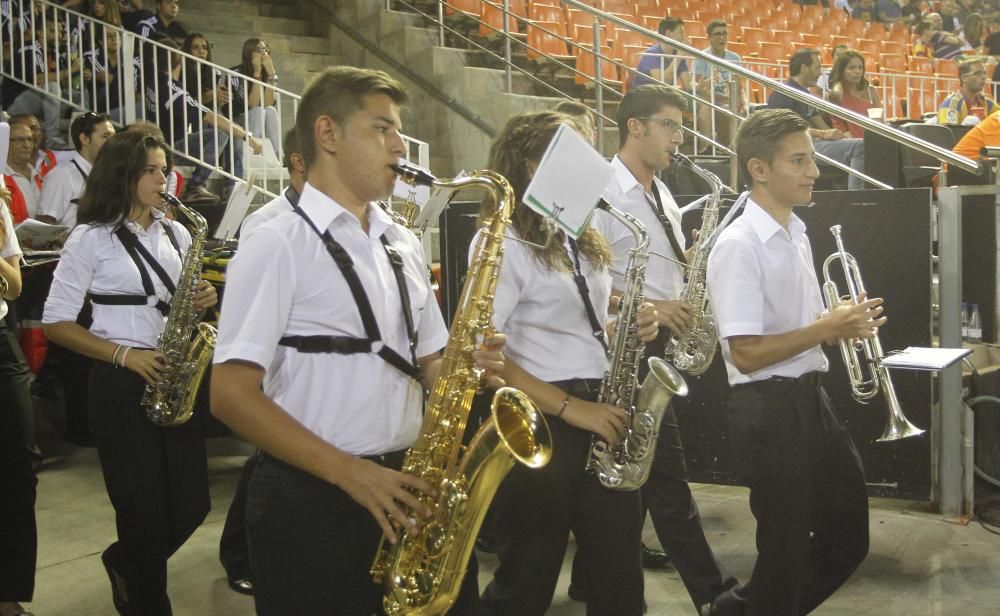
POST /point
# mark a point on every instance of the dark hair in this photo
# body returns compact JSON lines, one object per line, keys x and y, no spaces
{"x":523,"y":140}
{"x":337,"y":93}
{"x":290,"y":145}
{"x":194,"y":68}
{"x":166,"y":56}
{"x":246,"y":61}
{"x":112,"y":11}
{"x":189,"y":41}
{"x":670,"y":23}
{"x":973,"y":21}
{"x":84,"y":125}
{"x":800,"y":59}
{"x":837,"y":73}
{"x":760,"y":135}
{"x":643,"y":102}
{"x":110,"y":188}
{"x":715,"y":23}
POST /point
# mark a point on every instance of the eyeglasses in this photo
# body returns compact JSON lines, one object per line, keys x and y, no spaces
{"x":720,"y":34}
{"x":668,"y":124}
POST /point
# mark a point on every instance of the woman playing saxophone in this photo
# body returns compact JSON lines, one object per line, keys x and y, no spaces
{"x":557,"y":357}
{"x":126,"y":256}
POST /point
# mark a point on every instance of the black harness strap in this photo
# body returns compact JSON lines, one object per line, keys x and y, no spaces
{"x":138,"y":253}
{"x":79,"y":168}
{"x":347,"y":344}
{"x":597,"y":330}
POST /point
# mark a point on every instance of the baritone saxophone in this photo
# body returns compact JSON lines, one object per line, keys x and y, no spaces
{"x":422,"y":572}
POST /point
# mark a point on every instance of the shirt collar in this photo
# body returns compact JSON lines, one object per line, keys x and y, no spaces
{"x":83,"y":162}
{"x":8,"y":170}
{"x":324,"y":211}
{"x":157,"y":215}
{"x":766,"y":227}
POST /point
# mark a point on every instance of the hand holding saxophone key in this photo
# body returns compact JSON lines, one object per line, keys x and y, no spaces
{"x":146,"y":363}
{"x":386,"y":494}
{"x":205,"y":296}
{"x":678,"y":315}
{"x":647,"y":322}
{"x":606,"y":421}
{"x":489,"y":359}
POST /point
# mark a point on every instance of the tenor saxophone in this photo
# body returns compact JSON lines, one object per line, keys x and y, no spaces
{"x":170,"y":400}
{"x":422,"y":572}
{"x":693,"y":351}
{"x":627,"y":465}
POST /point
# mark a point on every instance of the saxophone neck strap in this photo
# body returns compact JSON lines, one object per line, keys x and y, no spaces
{"x":668,"y":228}
{"x":350,"y":345}
{"x":597,"y":330}
{"x":140,"y":256}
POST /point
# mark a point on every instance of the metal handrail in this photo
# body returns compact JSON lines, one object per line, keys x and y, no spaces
{"x":883,"y":130}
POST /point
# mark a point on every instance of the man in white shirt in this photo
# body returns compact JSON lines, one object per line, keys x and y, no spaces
{"x":20,"y":166}
{"x":713,"y":84}
{"x":332,"y":419}
{"x":649,"y":124}
{"x":64,"y":184}
{"x":296,"y":166}
{"x":807,"y":487}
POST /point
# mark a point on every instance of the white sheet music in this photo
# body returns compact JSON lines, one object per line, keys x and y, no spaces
{"x":236,"y":210}
{"x":924,"y":358}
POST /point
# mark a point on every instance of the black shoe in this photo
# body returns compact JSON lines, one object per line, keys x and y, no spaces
{"x":118,"y":593}
{"x":577,"y":593}
{"x":242,"y":585}
{"x":654,"y":559}
{"x":728,"y":603}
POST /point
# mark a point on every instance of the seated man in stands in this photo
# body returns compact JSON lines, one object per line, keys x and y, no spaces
{"x":932,"y":42}
{"x":967,"y":105}
{"x":986,"y":133}
{"x":19,"y":176}
{"x":713,"y":83}
{"x":164,"y":21}
{"x":189,"y":126}
{"x":65,"y":184}
{"x":653,"y":66}
{"x":804,"y":67}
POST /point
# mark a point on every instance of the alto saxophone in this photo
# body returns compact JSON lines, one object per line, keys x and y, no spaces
{"x":170,"y":400}
{"x":422,"y":572}
{"x":693,"y":352}
{"x":627,"y":465}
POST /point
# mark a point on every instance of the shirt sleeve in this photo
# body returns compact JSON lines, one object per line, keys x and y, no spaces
{"x":261,"y":283}
{"x":70,"y":282}
{"x":56,"y":193}
{"x":973,"y":142}
{"x":734,"y":289}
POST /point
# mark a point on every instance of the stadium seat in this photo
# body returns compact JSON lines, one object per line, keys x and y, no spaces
{"x":892,"y":62}
{"x":868,"y":47}
{"x":547,"y":40}
{"x":752,"y":37}
{"x":694,"y":28}
{"x":920,"y":65}
{"x":547,"y":12}
{"x":585,"y":64}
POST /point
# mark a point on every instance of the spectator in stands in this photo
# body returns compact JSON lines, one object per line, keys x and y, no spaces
{"x":850,"y":89}
{"x":30,"y":64}
{"x":189,"y":126}
{"x":912,"y":12}
{"x":65,"y":184}
{"x":967,"y":7}
{"x":933,"y":43}
{"x":890,"y":11}
{"x":968,"y":104}
{"x":105,"y":65}
{"x":972,"y":35}
{"x":823,"y":83}
{"x":131,"y":11}
{"x":986,"y":133}
{"x":653,"y":66}
{"x":202,"y":81}
{"x":24,"y":183}
{"x":948,"y":12}
{"x":252,"y":100}
{"x":581,"y":113}
{"x":866,"y":10}
{"x":804,"y":68}
{"x":713,"y":83}
{"x":88,"y":33}
{"x":163,"y":22}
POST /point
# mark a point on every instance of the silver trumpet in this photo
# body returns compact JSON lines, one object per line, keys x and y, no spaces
{"x":863,"y":357}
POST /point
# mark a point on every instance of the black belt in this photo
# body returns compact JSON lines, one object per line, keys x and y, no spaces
{"x":392,"y":459}
{"x":812,"y":379}
{"x":579,"y":387}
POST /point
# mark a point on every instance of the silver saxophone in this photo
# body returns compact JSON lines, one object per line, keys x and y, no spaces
{"x":627,"y":465}
{"x":693,"y":352}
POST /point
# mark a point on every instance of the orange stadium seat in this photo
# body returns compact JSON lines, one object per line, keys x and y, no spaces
{"x":812,"y":40}
{"x":840,"y":39}
{"x":681,"y":13}
{"x":854,"y":28}
{"x":698,"y":42}
{"x":546,"y":12}
{"x":470,"y":8}
{"x":773,"y":52}
{"x":868,"y":47}
{"x":752,"y":37}
{"x":585,"y":64}
{"x":785,"y":37}
{"x":694,"y":28}
{"x":654,"y":5}
{"x":584,"y":35}
{"x":948,"y":68}
{"x":651,"y":22}
{"x":491,"y":21}
{"x":615,"y":6}
{"x":892,"y":62}
{"x":625,"y":37}
{"x":812,"y":13}
{"x":739,"y":49}
{"x":920,"y":65}
{"x":920,"y":102}
{"x":824,"y":30}
{"x":774,"y":22}
{"x":547,"y":39}
{"x":894,"y":47}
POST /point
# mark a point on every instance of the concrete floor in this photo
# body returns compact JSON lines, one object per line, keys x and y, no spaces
{"x":919,"y":564}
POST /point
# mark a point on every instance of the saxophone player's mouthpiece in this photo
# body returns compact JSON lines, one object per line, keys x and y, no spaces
{"x":170,"y":199}
{"x":680,"y":159}
{"x":413,"y":174}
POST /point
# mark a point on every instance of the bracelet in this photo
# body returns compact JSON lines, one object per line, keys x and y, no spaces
{"x":562,"y":409}
{"x":124,"y":355}
{"x":114,"y":356}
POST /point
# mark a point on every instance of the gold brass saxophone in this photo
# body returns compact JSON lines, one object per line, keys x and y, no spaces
{"x":866,"y":352}
{"x":693,"y":352}
{"x":170,"y":401}
{"x":627,"y":465}
{"x":422,"y":572}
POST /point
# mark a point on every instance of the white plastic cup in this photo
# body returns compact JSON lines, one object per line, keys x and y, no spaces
{"x":875,"y":113}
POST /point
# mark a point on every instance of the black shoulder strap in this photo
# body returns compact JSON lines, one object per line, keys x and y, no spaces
{"x":293,"y":196}
{"x":79,"y":168}
{"x":138,"y":253}
{"x":346,"y":344}
{"x":597,"y":330}
{"x":169,"y":231}
{"x":668,"y":227}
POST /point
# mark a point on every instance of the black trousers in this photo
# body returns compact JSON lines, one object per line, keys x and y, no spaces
{"x":312,"y":547}
{"x":18,"y":532}
{"x":234,"y":553}
{"x":157,"y":481}
{"x":536,"y":509}
{"x":807,"y":492}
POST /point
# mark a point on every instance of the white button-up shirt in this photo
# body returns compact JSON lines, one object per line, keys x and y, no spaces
{"x":30,"y":188}
{"x":62,"y":185}
{"x":761,"y":282}
{"x":95,"y":261}
{"x":10,"y":247}
{"x":272,"y":209}
{"x":543,"y":315}
{"x":664,"y":279}
{"x":283,"y":282}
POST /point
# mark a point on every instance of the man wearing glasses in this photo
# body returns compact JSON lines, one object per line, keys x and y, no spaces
{"x":649,"y":129}
{"x":967,"y":105}
{"x":713,"y":83}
